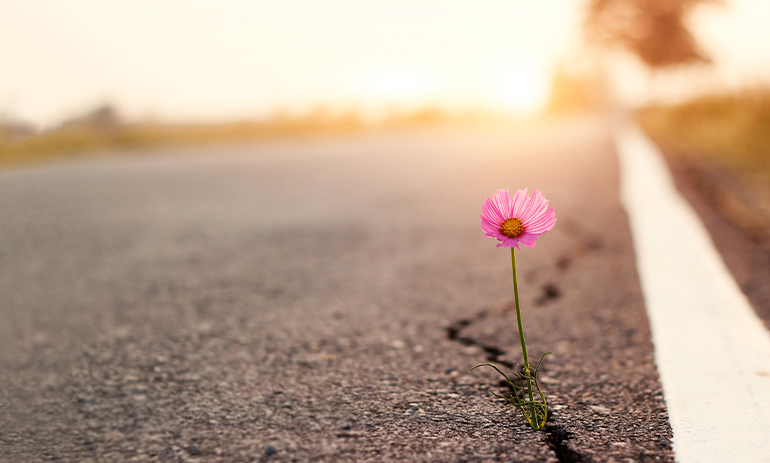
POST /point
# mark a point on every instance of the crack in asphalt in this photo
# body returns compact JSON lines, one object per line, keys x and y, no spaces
{"x":557,"y":436}
{"x":454,"y":331}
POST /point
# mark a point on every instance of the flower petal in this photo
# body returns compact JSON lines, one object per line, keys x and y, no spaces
{"x":503,"y":200}
{"x":519,"y":201}
{"x":537,"y":204}
{"x":491,"y":211}
{"x":543,"y":223}
{"x":489,"y":226}
{"x":528,"y":239}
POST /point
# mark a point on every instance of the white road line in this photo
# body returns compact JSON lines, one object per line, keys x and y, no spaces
{"x":712,"y":351}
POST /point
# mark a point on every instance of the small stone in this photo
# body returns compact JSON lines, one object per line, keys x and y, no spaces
{"x":599,"y":409}
{"x":472,"y":350}
{"x":270,"y":450}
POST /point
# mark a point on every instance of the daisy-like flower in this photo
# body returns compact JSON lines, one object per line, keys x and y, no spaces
{"x":517,"y":220}
{"x":514,"y":221}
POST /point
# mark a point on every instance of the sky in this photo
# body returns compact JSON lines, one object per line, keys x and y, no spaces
{"x":190,"y":60}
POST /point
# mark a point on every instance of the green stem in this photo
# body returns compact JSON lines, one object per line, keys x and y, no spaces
{"x":521,"y":335}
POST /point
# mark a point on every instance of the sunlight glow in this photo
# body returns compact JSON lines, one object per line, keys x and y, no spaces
{"x":395,"y":85}
{"x":519,"y":85}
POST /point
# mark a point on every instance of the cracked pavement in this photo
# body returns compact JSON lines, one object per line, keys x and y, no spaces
{"x":321,"y":299}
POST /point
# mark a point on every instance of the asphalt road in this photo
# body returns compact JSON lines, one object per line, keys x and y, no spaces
{"x":321,"y":300}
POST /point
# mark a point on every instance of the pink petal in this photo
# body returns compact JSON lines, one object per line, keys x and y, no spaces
{"x":528,"y":239}
{"x":489,"y":226}
{"x":519,"y":200}
{"x":537,"y":205}
{"x":539,"y":215}
{"x":525,"y":211}
{"x":543,"y":229}
{"x":491,"y":211}
{"x":503,"y":201}
{"x":543,"y":223}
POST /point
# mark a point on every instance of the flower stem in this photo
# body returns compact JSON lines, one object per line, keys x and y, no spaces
{"x":521,"y":335}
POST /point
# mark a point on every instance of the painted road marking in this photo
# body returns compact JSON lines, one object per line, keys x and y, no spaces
{"x":711,"y":349}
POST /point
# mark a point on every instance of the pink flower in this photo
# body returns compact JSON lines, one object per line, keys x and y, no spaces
{"x":520,"y":219}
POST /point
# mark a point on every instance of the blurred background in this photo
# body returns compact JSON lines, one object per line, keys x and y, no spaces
{"x":85,"y":74}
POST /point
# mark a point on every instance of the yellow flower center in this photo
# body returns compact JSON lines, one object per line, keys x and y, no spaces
{"x":512,"y":228}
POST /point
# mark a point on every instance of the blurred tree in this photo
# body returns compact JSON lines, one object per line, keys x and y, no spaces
{"x":578,"y":88}
{"x":653,"y":30}
{"x":11,"y":130}
{"x":105,"y":117}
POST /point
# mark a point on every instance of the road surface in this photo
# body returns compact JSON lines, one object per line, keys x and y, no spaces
{"x":321,"y":299}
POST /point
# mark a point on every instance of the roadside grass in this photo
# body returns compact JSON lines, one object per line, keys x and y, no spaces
{"x":84,"y":139}
{"x":723,"y":143}
{"x":732,"y":130}
{"x":89,"y":137}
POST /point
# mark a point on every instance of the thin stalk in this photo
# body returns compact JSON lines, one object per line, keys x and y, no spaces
{"x":521,"y":335}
